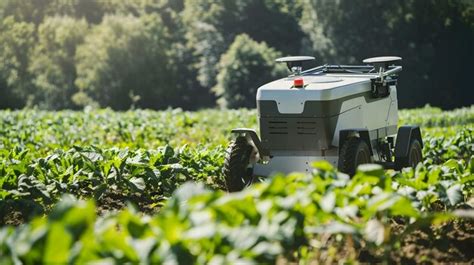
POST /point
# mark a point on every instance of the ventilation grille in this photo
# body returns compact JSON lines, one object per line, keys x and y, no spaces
{"x":306,"y":127}
{"x":277,"y":127}
{"x":294,"y":133}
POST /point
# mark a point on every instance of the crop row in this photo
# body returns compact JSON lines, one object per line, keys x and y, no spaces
{"x":44,"y":131}
{"x":438,"y":149}
{"x":52,"y":162}
{"x":288,"y":217}
{"x":29,"y":185}
{"x":435,"y":117}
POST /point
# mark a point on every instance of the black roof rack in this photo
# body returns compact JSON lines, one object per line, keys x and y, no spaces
{"x":343,"y":69}
{"x":383,"y":66}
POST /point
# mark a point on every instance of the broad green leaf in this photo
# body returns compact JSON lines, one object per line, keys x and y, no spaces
{"x":58,"y":245}
{"x":375,"y":231}
{"x":454,"y":194}
{"x":138,"y":184}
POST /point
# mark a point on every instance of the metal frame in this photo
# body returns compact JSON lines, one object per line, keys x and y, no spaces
{"x":352,"y":69}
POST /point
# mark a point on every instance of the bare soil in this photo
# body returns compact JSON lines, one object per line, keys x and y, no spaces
{"x":452,"y":242}
{"x":17,"y":212}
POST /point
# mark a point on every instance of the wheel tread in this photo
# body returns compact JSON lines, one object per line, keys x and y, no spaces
{"x":234,"y":169}
{"x":348,"y":155}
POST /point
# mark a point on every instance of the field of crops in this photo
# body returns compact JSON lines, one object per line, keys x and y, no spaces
{"x":146,"y":187}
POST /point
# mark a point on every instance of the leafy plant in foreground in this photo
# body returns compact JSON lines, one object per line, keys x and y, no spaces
{"x":270,"y":220}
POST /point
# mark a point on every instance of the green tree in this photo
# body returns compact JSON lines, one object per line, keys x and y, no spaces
{"x":16,"y":42}
{"x":90,"y":10}
{"x":193,"y":95}
{"x":211,"y":27}
{"x":124,"y":62}
{"x":25,"y":10}
{"x":53,"y":61}
{"x":244,"y":67}
{"x":435,"y":39}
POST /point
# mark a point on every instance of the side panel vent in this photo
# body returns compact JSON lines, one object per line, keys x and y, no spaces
{"x":290,"y":133}
{"x":306,"y":127}
{"x":277,"y":127}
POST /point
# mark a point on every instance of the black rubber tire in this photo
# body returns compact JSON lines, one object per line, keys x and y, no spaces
{"x":414,"y":157}
{"x":237,"y":159}
{"x":415,"y":154}
{"x":354,"y":152}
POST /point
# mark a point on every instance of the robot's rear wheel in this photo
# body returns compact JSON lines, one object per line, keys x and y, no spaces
{"x":414,"y":157}
{"x":236,"y":170}
{"x":354,"y":152}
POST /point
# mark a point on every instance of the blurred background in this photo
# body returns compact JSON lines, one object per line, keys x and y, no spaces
{"x":122,"y":54}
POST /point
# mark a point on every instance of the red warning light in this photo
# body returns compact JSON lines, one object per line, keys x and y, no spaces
{"x":298,"y":82}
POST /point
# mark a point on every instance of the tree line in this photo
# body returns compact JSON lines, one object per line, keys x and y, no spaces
{"x":57,"y":54}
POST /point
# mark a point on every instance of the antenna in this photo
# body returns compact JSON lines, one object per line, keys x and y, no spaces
{"x":381,"y":84}
{"x":295,"y":63}
{"x":382,"y":62}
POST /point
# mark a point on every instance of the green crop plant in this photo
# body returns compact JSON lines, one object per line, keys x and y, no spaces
{"x":274,"y":219}
{"x":92,"y":172}
{"x":98,"y":185}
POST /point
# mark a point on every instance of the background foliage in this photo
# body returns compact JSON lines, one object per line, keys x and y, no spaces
{"x":161,"y":53}
{"x":238,"y":66}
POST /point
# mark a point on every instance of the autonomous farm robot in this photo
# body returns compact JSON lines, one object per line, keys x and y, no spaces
{"x":344,"y":114}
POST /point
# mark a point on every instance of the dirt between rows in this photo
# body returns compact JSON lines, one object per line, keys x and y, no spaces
{"x":17,"y":212}
{"x":452,"y":242}
{"x":449,"y":243}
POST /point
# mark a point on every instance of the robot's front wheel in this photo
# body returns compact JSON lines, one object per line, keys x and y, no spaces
{"x":354,"y":152}
{"x":236,"y":170}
